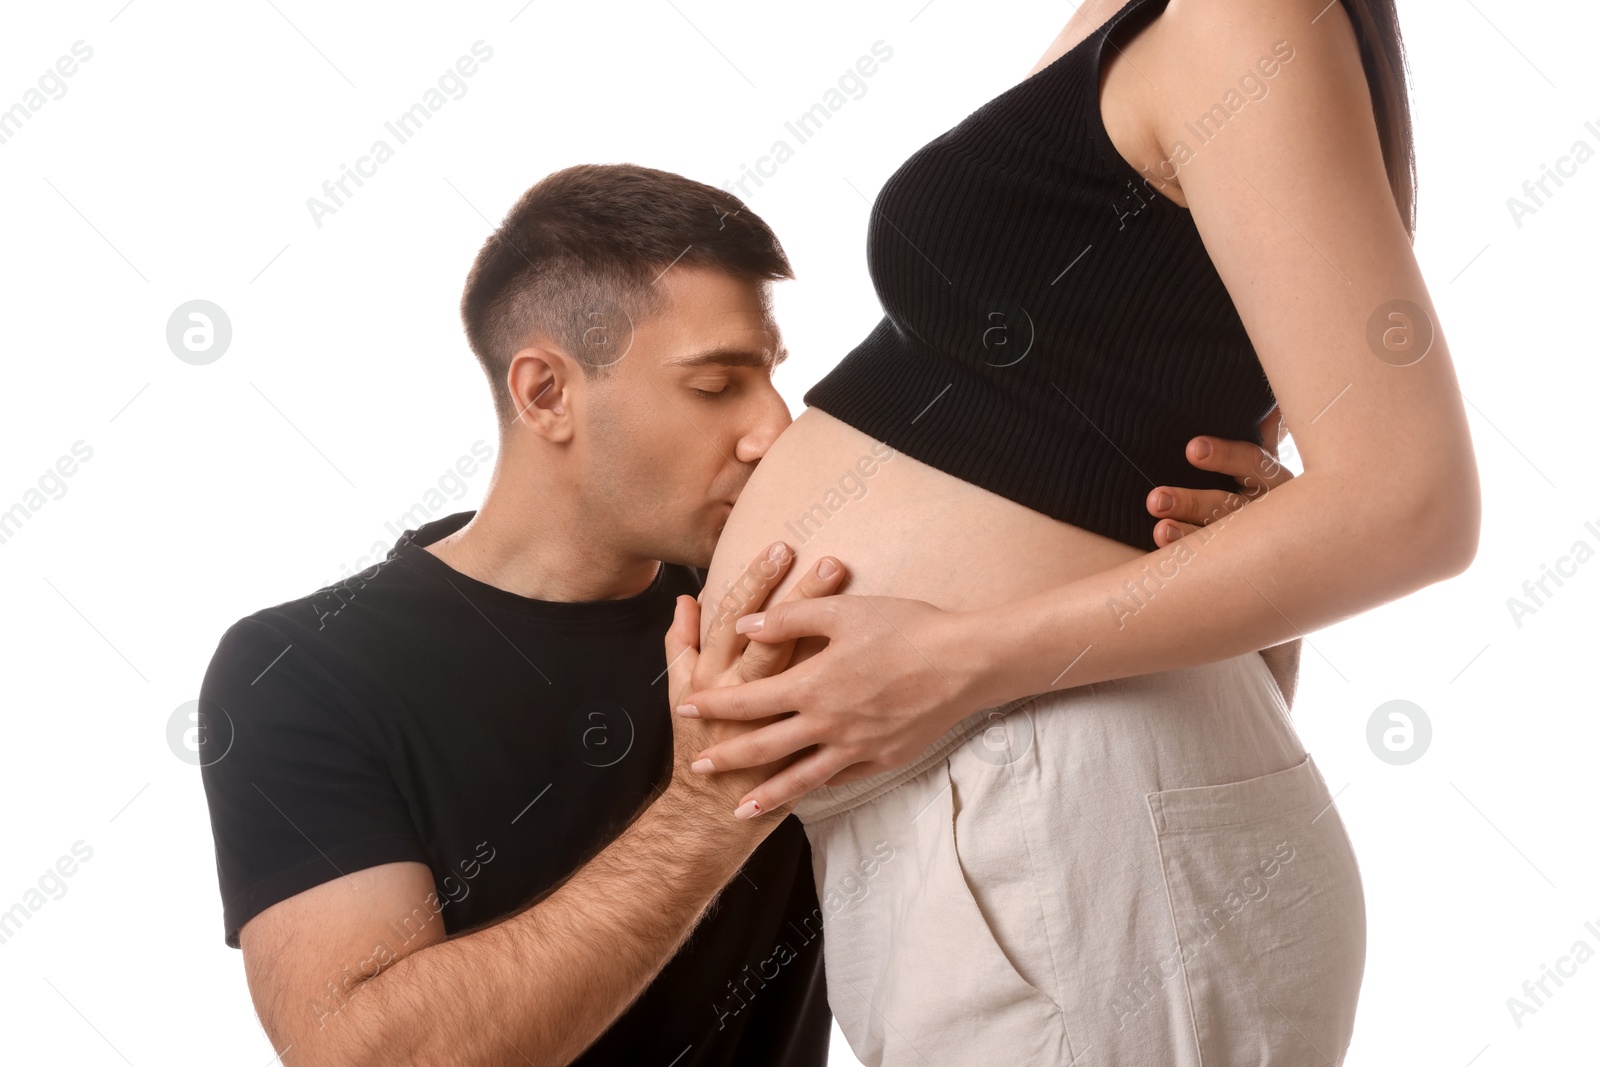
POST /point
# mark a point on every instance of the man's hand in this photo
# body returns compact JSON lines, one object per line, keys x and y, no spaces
{"x":1183,"y":511}
{"x":1255,"y":467}
{"x":730,"y":658}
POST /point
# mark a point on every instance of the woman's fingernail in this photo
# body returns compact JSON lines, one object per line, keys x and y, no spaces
{"x":1202,"y":449}
{"x":827,"y":569}
{"x":702,"y":766}
{"x":778,"y":550}
{"x":750,"y":623}
{"x":688,"y":711}
{"x":1163,"y":501}
{"x":747,"y":809}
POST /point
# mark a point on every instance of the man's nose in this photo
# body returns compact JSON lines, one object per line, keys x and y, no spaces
{"x":773,"y":420}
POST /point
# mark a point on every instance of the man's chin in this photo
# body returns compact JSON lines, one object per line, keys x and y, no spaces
{"x":693,"y":555}
{"x":697,"y":543}
{"x":710,"y":550}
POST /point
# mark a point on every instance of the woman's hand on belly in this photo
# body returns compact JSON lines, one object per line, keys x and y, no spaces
{"x":889,"y":682}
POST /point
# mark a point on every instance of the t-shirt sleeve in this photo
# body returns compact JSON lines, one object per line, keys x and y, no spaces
{"x":298,"y":793}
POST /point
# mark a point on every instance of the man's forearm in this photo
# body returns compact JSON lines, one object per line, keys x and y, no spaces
{"x":541,"y":986}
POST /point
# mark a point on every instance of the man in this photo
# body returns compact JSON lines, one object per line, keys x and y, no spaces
{"x":425,"y":816}
{"x":453,"y":817}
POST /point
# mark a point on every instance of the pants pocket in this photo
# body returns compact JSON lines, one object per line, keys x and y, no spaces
{"x":1267,"y":906}
{"x":992,"y":877}
{"x":915,"y":975}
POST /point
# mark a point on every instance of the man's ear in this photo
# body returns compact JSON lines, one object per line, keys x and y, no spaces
{"x":540,"y":381}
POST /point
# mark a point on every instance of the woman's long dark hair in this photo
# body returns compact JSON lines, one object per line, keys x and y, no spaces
{"x":1383,"y":56}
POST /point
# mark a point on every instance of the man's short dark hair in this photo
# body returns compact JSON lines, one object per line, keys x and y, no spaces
{"x":575,"y":261}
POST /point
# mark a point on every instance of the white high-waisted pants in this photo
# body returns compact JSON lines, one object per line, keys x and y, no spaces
{"x":1148,"y":871}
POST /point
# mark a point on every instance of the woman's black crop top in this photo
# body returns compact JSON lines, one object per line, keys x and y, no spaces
{"x":1054,"y":330}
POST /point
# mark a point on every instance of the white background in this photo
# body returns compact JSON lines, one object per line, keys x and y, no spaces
{"x":177,"y":166}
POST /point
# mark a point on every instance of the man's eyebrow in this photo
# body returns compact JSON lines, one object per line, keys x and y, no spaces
{"x":731,"y":357}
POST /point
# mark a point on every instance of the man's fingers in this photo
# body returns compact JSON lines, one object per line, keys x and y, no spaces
{"x":761,"y":660}
{"x":685,"y":629}
{"x":682,"y":637}
{"x":793,"y":782}
{"x":722,"y":645}
{"x":1256,"y":470}
{"x":814,"y":583}
{"x":1168,"y":531}
{"x":1192,"y":507}
{"x":1253,"y":467}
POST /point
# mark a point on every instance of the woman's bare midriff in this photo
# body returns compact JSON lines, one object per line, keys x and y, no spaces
{"x":904,"y":530}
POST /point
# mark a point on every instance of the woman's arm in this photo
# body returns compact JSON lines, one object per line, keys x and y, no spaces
{"x":1294,"y":206}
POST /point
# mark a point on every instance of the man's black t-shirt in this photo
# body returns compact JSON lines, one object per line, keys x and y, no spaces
{"x":414,"y":713}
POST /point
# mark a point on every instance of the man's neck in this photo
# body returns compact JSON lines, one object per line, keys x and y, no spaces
{"x":539,"y":551}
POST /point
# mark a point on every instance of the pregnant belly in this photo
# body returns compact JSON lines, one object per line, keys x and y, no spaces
{"x":901,"y":527}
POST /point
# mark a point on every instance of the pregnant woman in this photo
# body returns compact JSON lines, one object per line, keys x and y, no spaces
{"x":1066,"y":819}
